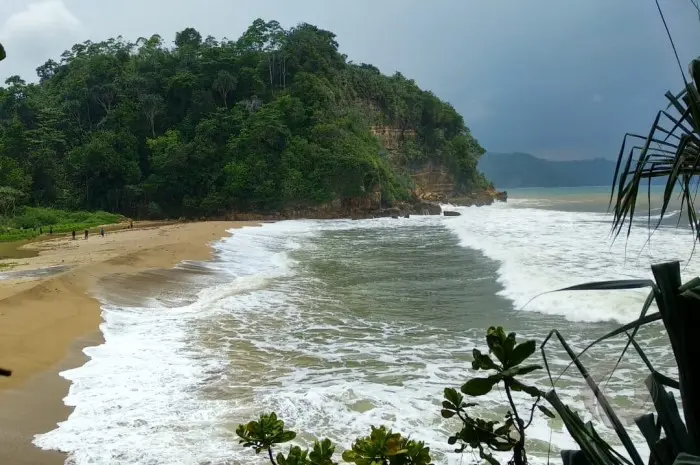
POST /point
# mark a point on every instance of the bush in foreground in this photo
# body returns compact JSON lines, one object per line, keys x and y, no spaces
{"x":385,"y":447}
{"x":672,"y":435}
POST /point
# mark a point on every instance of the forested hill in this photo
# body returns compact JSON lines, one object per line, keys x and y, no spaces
{"x":513,"y":170}
{"x":276,"y":119}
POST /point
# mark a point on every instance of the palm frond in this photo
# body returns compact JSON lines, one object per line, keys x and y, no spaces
{"x":670,"y":150}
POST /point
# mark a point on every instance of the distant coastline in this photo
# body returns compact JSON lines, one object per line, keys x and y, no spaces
{"x":522,"y":170}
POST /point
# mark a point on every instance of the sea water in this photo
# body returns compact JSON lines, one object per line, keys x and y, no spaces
{"x":340,"y":325}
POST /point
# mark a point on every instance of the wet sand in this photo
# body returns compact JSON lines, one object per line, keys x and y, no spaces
{"x":45,"y":322}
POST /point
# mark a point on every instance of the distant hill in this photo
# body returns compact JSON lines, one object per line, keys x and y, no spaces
{"x":514,"y":170}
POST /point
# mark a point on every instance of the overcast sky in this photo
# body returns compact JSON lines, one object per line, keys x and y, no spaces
{"x":561,"y":79}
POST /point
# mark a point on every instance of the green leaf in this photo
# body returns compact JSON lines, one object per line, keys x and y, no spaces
{"x":287,"y":436}
{"x":531,"y":390}
{"x":453,"y":396}
{"x":322,"y":453}
{"x":479,"y":386}
{"x":505,"y":428}
{"x":515,"y":371}
{"x":495,"y":339}
{"x":619,"y":284}
{"x":3,"y":55}
{"x":481,"y":361}
{"x":522,"y":352}
{"x":546,"y":411}
{"x":447,"y":413}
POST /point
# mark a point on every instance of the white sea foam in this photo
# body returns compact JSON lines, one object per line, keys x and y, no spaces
{"x":544,"y":250}
{"x":137,"y":399}
{"x":169,"y":385}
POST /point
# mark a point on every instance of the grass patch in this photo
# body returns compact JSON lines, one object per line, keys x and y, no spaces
{"x":31,"y":222}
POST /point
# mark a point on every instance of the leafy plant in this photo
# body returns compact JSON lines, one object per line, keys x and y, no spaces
{"x":381,"y":447}
{"x":384,"y":447}
{"x":670,"y":149}
{"x":3,"y":55}
{"x":485,"y":435}
{"x":679,"y":310}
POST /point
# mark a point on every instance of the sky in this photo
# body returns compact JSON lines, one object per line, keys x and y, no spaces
{"x":560,"y":79}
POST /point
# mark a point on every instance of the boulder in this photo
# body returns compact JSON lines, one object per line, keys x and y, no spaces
{"x":425,"y":208}
{"x":451,"y":213}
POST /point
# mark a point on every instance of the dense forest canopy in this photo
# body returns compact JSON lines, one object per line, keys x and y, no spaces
{"x":278,"y":118}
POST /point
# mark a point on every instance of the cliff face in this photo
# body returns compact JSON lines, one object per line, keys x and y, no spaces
{"x":433,"y":181}
{"x":392,"y":139}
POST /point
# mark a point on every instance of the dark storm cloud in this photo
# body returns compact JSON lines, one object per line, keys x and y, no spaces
{"x":562,"y":79}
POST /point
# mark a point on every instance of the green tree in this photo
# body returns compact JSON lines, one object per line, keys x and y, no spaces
{"x":275,"y":119}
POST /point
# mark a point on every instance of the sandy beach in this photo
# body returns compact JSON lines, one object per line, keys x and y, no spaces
{"x":45,"y":323}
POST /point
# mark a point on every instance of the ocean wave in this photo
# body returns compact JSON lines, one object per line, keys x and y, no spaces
{"x":291,"y":321}
{"x":540,"y":250}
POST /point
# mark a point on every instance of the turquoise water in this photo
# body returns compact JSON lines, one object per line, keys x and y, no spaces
{"x":339,"y":325}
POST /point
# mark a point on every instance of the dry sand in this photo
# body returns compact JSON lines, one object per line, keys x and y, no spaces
{"x":45,"y":324}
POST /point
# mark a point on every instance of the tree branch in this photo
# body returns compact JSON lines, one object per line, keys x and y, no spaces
{"x":532,"y":412}
{"x":519,"y":449}
{"x":269,"y":453}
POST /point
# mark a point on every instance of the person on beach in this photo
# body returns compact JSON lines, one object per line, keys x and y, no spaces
{"x":51,"y":231}
{"x":74,"y":234}
{"x":41,"y":230}
{"x":86,"y":234}
{"x":102,"y":232}
{"x":131,"y":225}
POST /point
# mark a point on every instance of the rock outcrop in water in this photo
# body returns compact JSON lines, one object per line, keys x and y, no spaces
{"x":479,"y":199}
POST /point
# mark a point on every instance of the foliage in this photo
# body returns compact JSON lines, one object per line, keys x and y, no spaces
{"x":671,"y":150}
{"x":384,"y":447}
{"x":381,"y":447}
{"x":28,"y":222}
{"x":482,"y":434}
{"x":679,"y":310}
{"x":276,"y":119}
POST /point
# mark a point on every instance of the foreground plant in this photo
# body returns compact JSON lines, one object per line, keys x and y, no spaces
{"x":679,"y":311}
{"x":381,"y":447}
{"x":484,"y":435}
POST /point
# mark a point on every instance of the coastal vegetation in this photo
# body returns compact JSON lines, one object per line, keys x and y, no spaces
{"x":278,"y":119}
{"x":384,"y":447}
{"x":672,"y":434}
{"x":31,"y":222}
{"x":281,"y":119}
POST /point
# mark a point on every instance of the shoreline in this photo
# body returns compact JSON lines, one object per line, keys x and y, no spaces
{"x":46,"y":323}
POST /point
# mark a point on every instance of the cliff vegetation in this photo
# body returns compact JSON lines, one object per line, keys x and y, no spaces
{"x":278,"y":120}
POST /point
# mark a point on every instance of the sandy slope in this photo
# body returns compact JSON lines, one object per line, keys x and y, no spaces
{"x":44,"y":324}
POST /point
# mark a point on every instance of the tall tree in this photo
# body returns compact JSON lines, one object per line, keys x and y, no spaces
{"x":274,"y":119}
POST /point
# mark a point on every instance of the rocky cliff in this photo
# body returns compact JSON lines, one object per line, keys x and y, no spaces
{"x":433,"y":181}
